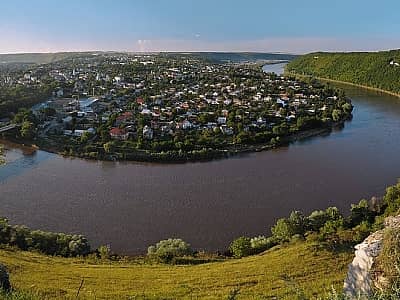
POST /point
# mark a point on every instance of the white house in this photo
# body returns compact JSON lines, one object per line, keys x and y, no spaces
{"x":147,"y":132}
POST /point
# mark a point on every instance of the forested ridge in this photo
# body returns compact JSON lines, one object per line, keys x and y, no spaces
{"x":379,"y":70}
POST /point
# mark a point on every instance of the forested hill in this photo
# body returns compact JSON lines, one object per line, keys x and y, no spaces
{"x":379,"y":70}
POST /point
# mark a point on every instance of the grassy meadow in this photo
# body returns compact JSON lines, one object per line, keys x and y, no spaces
{"x":285,"y":272}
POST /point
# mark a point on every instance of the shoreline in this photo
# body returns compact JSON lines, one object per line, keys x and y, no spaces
{"x":346,"y":83}
{"x":186,"y":157}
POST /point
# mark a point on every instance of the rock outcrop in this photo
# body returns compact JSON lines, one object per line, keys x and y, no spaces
{"x":360,"y":280}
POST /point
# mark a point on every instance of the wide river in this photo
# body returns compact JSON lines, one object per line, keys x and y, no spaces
{"x":132,"y":205}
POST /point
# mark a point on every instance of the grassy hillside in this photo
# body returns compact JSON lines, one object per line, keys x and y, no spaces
{"x":280,"y":273}
{"x":372,"y":69}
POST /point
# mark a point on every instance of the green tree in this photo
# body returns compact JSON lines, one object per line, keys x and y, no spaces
{"x":166,"y":250}
{"x":27,"y":130}
{"x":391,"y":199}
{"x":85,"y":137}
{"x":108,"y":147}
{"x":241,"y":247}
{"x":360,"y":212}
{"x":337,"y":115}
{"x":2,"y":161}
{"x":283,"y":230}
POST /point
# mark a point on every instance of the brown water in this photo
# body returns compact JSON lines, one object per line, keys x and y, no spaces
{"x":132,"y":205}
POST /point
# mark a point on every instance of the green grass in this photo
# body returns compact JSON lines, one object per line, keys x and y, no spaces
{"x":281,"y":273}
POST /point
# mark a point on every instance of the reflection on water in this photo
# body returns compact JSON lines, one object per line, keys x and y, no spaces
{"x":132,"y":205}
{"x":20,"y":159}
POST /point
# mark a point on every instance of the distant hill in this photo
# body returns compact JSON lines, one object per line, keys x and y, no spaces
{"x":221,"y":57}
{"x":218,"y":57}
{"x":37,"y":58}
{"x":40,"y":58}
{"x":380,"y":70}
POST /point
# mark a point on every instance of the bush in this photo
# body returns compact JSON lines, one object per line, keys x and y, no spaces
{"x":166,"y":250}
{"x":392,"y":199}
{"x":104,"y":251}
{"x":261,"y":243}
{"x":241,"y":247}
{"x":286,"y":228}
{"x":4,"y":279}
{"x":360,"y":212}
{"x":45,"y":242}
{"x":317,"y":219}
{"x":388,"y":260}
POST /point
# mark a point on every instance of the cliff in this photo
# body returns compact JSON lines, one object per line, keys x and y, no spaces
{"x":361,"y":277}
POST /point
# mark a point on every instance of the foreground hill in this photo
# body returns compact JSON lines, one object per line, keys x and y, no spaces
{"x":380,"y":70}
{"x":280,"y":273}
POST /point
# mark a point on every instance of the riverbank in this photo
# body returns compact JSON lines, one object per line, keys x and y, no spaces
{"x":344,"y":82}
{"x":203,"y":155}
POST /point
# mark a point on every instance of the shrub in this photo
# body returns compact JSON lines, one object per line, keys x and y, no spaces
{"x":388,"y":260}
{"x":282,"y":231}
{"x":241,"y":247}
{"x":166,"y":250}
{"x":361,"y":231}
{"x":261,"y":243}
{"x":4,"y":279}
{"x":392,"y":199}
{"x":104,"y":251}
{"x":45,"y":242}
{"x":360,"y":212}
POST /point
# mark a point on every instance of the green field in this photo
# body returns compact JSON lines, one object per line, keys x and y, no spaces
{"x":280,"y":273}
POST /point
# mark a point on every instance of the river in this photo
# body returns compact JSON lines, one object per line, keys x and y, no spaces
{"x":132,"y":205}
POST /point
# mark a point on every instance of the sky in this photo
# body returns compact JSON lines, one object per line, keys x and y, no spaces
{"x":291,"y":26}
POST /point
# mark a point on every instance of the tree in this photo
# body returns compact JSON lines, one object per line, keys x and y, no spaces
{"x":336,"y":115}
{"x":281,"y":130}
{"x":298,"y":222}
{"x":108,"y":147}
{"x":85,"y":137}
{"x":166,"y":250}
{"x":283,"y":230}
{"x":27,"y":130}
{"x":391,"y":199}
{"x":2,"y":161}
{"x":360,"y":212}
{"x":347,"y":108}
{"x":241,"y":247}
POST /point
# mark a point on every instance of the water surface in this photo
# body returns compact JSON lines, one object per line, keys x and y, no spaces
{"x":132,"y":205}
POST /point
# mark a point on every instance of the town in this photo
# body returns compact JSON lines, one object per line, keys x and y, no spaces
{"x":169,"y":106}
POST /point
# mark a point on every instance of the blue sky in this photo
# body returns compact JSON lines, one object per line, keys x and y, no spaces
{"x":198,"y":25}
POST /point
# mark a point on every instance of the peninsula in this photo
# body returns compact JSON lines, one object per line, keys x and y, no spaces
{"x":161,"y":107}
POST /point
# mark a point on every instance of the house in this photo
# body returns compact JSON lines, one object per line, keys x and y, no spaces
{"x":119,"y":134}
{"x":60,"y":93}
{"x":221,"y":120}
{"x":226,"y":130}
{"x":147,"y":132}
{"x":124,"y":118}
{"x":283,"y":102}
{"x":186,"y":125}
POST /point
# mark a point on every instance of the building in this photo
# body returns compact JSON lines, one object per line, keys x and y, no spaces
{"x":119,"y":134}
{"x":147,"y":133}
